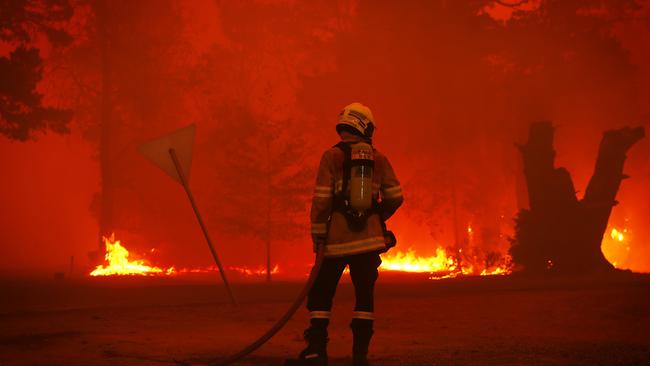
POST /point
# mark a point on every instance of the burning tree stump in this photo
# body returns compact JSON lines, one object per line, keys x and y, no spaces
{"x":560,"y":233}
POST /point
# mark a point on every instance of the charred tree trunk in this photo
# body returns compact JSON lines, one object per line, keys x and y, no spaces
{"x":600,"y":195}
{"x":560,"y":233}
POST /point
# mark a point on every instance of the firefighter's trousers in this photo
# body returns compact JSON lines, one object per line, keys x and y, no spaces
{"x":363,"y":271}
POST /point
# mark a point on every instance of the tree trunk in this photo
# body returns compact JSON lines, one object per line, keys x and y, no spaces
{"x":600,"y":196}
{"x":106,"y":214}
{"x":269,"y":203}
{"x":559,"y":233}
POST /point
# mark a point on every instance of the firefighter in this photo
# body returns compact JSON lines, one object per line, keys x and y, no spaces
{"x":356,"y":192}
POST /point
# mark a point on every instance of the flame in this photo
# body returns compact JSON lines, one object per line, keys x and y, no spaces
{"x":410,"y":262}
{"x":118,"y":263}
{"x":441,"y":265}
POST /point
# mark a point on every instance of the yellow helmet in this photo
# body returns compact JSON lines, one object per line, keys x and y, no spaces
{"x":359,"y":119}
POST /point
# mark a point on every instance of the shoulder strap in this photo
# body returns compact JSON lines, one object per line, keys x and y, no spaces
{"x":347,"y":158}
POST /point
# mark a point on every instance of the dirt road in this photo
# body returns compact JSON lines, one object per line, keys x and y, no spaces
{"x":470,"y":321}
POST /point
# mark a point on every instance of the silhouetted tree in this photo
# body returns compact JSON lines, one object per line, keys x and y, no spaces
{"x":119,"y":85}
{"x":560,"y":233}
{"x":22,"y":112}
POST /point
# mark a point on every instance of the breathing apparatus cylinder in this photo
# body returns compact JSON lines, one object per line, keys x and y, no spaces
{"x":362,"y":163}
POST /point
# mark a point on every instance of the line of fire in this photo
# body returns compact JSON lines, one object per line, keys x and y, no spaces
{"x":312,"y":183}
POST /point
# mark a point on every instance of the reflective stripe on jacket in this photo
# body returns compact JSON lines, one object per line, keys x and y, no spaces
{"x":331,"y":226}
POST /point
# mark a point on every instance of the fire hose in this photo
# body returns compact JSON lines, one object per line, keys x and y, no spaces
{"x":155,"y":150}
{"x":320,"y":255}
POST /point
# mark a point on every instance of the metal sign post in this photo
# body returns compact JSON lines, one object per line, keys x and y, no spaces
{"x":173,"y":154}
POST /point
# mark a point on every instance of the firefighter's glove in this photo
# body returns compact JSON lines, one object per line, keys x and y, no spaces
{"x":389,"y":239}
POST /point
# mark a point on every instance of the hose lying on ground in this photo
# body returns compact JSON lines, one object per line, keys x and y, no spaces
{"x":320,"y":255}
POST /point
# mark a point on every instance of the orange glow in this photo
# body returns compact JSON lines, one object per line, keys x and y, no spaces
{"x":444,"y":264}
{"x":616,"y":247}
{"x":118,"y":263}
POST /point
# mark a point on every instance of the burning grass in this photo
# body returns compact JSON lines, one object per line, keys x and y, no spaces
{"x":439,"y":266}
{"x":118,"y":263}
{"x":442,"y":264}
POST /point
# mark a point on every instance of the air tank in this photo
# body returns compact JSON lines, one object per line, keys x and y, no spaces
{"x":362,"y":161}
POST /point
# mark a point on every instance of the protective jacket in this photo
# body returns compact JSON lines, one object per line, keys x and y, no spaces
{"x":330,"y":226}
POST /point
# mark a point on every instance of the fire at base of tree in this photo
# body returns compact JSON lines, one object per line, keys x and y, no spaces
{"x":560,"y":233}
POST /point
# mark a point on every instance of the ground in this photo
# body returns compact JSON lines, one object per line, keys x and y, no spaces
{"x":470,"y":321}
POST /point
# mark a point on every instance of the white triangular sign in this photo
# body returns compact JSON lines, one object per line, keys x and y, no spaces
{"x":157,"y":151}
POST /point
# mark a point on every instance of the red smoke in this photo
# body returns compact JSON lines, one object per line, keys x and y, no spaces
{"x":453,"y":86}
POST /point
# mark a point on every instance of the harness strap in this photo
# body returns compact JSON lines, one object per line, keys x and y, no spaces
{"x":347,"y":164}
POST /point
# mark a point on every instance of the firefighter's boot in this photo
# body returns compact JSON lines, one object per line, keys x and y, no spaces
{"x":315,"y":354}
{"x":361,"y":334}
